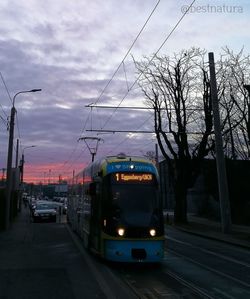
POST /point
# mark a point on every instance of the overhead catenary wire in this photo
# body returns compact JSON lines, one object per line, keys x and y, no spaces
{"x":150,"y":61}
{"x":115,"y":72}
{"x":6,"y":88}
{"x":121,"y":63}
{"x":126,"y":138}
{"x":135,"y":82}
{"x":5,"y":121}
{"x":75,"y":160}
{"x":11,"y":100}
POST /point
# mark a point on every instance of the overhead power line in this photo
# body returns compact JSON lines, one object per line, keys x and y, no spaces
{"x":6,"y":115}
{"x":114,"y":107}
{"x":138,"y":108}
{"x":158,"y":50}
{"x":4,"y":121}
{"x":120,"y":131}
{"x":134,"y":83}
{"x":6,"y":88}
{"x":121,"y":63}
{"x":142,"y":131}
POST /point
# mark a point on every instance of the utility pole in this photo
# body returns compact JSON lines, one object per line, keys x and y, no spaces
{"x":9,"y":159}
{"x":17,"y":178}
{"x":9,"y":168}
{"x":22,"y":172}
{"x":17,"y":150}
{"x":22,"y":167}
{"x":220,"y":160}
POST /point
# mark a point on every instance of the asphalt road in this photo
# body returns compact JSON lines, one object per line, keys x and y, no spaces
{"x":47,"y":260}
{"x":193,"y":267}
{"x":219,"y":269}
{"x":45,"y":264}
{"x":44,"y":260}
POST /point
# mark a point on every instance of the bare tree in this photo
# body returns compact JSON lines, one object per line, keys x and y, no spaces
{"x":178,"y":89}
{"x":233,"y":72}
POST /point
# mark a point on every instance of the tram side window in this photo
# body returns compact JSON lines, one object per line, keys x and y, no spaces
{"x":106,"y":196}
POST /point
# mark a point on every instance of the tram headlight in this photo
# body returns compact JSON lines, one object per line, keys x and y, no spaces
{"x":121,"y":231}
{"x":152,"y":232}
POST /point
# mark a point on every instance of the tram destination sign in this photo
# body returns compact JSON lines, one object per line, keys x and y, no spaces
{"x":131,"y":177}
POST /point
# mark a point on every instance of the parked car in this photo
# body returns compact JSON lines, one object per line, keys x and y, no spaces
{"x":44,"y":211}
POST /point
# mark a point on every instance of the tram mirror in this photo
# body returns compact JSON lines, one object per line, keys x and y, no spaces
{"x":92,"y":189}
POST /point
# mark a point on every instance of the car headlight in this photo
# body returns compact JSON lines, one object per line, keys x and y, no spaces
{"x":121,"y":231}
{"x":152,"y":232}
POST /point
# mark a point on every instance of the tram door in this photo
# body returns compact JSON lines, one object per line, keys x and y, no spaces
{"x":95,"y":216}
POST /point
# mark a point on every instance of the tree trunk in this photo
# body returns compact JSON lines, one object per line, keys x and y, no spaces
{"x":184,"y":178}
{"x":180,"y":209}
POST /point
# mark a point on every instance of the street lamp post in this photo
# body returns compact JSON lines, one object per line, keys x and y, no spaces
{"x":22,"y":170}
{"x":9,"y":160}
{"x":22,"y":161}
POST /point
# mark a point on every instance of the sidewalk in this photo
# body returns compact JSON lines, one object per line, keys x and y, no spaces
{"x":41,"y":261}
{"x":240,"y":235}
{"x":18,"y":230}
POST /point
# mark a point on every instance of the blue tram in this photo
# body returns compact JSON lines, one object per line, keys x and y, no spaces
{"x":115,"y":208}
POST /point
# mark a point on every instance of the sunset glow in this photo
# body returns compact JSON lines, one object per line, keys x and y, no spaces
{"x":49,"y":173}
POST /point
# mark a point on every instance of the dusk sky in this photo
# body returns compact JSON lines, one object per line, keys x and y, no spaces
{"x":71,"y":50}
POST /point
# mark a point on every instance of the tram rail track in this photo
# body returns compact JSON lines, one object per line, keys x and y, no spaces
{"x":247,"y":285}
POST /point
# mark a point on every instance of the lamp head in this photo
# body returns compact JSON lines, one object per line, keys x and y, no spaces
{"x":35,"y":90}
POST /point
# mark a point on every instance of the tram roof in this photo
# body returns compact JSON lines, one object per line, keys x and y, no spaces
{"x":103,"y":164}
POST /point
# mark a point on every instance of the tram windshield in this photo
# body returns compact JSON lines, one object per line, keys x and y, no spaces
{"x":134,"y":198}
